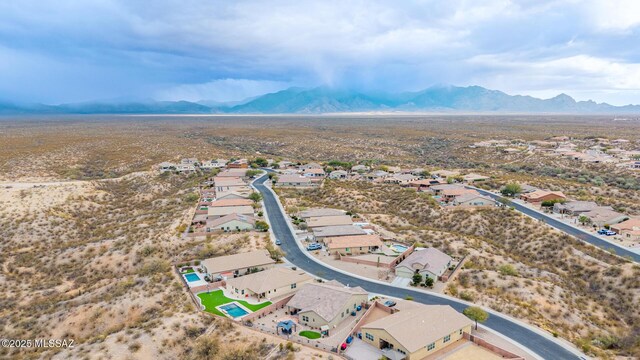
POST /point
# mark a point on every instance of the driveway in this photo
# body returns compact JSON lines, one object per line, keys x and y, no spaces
{"x":362,"y":351}
{"x":544,"y":346}
{"x":400,"y":281}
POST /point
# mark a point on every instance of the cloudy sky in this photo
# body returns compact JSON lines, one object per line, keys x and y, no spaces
{"x":69,"y":50}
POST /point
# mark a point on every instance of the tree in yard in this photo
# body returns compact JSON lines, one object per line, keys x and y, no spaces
{"x":252,"y":173}
{"x":511,"y":189}
{"x":260,"y":162}
{"x":255,"y":197}
{"x":584,"y":220}
{"x":262,"y":226}
{"x":476,"y":314}
{"x":428,"y":282}
{"x":417,"y":279}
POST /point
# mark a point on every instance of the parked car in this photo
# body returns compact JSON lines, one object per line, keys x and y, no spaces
{"x":278,"y":242}
{"x":314,"y":246}
{"x":606,"y":232}
{"x":390,"y":303}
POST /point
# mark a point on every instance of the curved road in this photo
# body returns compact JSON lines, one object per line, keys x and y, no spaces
{"x":568,"y":229}
{"x":543,"y":346}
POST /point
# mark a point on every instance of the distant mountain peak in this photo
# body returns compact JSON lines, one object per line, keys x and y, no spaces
{"x":326,"y":99}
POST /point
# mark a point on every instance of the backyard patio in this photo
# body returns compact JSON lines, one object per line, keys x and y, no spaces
{"x":211,"y":300}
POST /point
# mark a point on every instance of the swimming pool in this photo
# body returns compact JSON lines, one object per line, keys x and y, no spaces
{"x":399,"y":248}
{"x":234,"y":310}
{"x":191,"y":277}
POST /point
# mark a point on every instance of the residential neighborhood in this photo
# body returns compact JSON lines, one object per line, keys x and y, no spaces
{"x":257,"y":287}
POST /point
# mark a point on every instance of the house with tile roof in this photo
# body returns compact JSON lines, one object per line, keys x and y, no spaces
{"x":324,"y":305}
{"x":429,"y":262}
{"x":268,"y":284}
{"x":417,"y":332}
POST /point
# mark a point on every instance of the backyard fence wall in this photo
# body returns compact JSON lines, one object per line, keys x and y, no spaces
{"x":268,"y":309}
{"x":449,"y":276}
{"x":390,"y":265}
{"x":489,"y":346}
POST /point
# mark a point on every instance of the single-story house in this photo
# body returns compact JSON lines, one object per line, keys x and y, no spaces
{"x":424,"y":184}
{"x":540,"y":196}
{"x":394,"y":169}
{"x":311,"y":165}
{"x":400,"y":179}
{"x":313,"y":173}
{"x":438,"y":189}
{"x":628,"y":229}
{"x":231,"y":202}
{"x":338,"y":174}
{"x":325,"y":305}
{"x":243,"y":192}
{"x":417,"y":332}
{"x":186,"y":168}
{"x":238,"y":264}
{"x":605,"y":216}
{"x":228,"y":183}
{"x":474,"y":178}
{"x":294,"y":180}
{"x":233,"y":172}
{"x":359,"y":168}
{"x":353,"y":245}
{"x":238,"y":164}
{"x":217,"y":212}
{"x":449,"y":194}
{"x":473,"y":200}
{"x":231,"y":222}
{"x":214,"y":164}
{"x":229,"y":195}
{"x":319,"y":221}
{"x":271,"y":283}
{"x":429,"y":262}
{"x":575,"y":207}
{"x":339,"y":230}
{"x":375,"y":175}
{"x":317,"y":212}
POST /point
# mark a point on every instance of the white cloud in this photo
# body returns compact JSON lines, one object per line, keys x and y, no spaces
{"x":221,"y":90}
{"x":195,"y":49}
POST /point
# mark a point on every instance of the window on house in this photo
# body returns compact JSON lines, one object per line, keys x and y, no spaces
{"x":460,"y":331}
{"x":431,"y":346}
{"x":368,"y":336}
{"x":293,"y":286}
{"x":305,"y":318}
{"x":446,"y":338}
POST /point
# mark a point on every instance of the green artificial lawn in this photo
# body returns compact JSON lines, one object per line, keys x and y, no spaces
{"x":310,"y":334}
{"x":217,"y":298}
{"x":188,"y":271}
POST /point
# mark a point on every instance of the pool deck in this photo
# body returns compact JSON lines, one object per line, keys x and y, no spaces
{"x":219,"y":308}
{"x":193,"y":284}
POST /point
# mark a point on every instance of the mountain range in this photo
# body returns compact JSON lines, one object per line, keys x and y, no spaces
{"x":322,"y":100}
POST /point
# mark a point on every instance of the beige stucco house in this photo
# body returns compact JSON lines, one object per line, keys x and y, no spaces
{"x":268,"y":284}
{"x":324,"y":305}
{"x":238,"y":264}
{"x":418,"y":332}
{"x":429,"y":262}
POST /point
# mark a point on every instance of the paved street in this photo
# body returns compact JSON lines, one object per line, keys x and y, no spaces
{"x":545,"y":347}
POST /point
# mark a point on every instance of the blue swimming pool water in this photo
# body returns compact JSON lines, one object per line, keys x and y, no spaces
{"x":234,"y":310}
{"x":399,"y":248}
{"x":192,"y":277}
